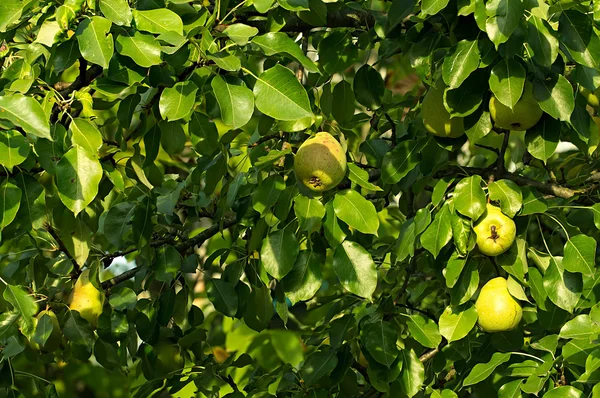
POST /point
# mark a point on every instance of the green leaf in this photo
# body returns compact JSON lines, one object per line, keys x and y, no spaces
{"x":310,"y":213}
{"x":123,"y":299}
{"x":507,"y":81}
{"x":580,"y":327}
{"x":10,"y":13}
{"x":356,"y":211}
{"x":400,"y":161}
{"x":305,"y":279}
{"x":503,"y":19}
{"x":267,"y":193}
{"x":331,"y":58}
{"x":577,"y":34}
{"x":482,"y":371}
{"x":580,"y":255}
{"x":117,"y":11}
{"x":236,"y":102}
{"x":461,"y":232}
{"x":78,"y":330}
{"x":439,"y":233}
{"x":399,"y":10}
{"x":542,"y":139}
{"x":240,"y":33}
{"x":10,"y":200}
{"x":542,"y":41}
{"x":279,"y":95}
{"x":460,"y":63}
{"x":85,"y":134}
{"x":222,"y":294}
{"x":32,"y":210}
{"x":511,"y":389}
{"x":563,"y":288}
{"x":78,"y":176}
{"x":227,"y":61}
{"x":342,"y":107}
{"x":432,"y":7}
{"x":118,"y":222}
{"x":425,"y":331}
{"x":368,"y":84}
{"x":361,"y":177}
{"x":143,"y":49}
{"x":168,"y":263}
{"x":331,"y":227}
{"x":469,"y":198}
{"x":318,"y":365}
{"x":413,"y":373}
{"x":95,"y":40}
{"x":355,"y":269}
{"x":276,"y":43}
{"x":14,"y":148}
{"x":294,"y":5}
{"x":176,"y":102}
{"x":380,"y":340}
{"x":27,"y":113}
{"x":555,"y":96}
{"x":508,"y":194}
{"x":158,"y":21}
{"x":564,"y":392}
{"x":278,"y":253}
{"x":22,"y":302}
{"x":455,"y":323}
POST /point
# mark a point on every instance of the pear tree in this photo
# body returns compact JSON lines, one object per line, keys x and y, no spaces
{"x":299,"y":198}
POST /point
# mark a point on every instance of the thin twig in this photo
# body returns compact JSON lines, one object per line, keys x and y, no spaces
{"x":500,"y":161}
{"x":63,"y":248}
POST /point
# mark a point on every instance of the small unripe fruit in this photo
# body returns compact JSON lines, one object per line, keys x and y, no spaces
{"x":436,"y":117}
{"x":320,"y":163}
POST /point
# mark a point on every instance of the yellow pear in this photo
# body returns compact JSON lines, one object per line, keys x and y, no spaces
{"x":320,"y":163}
{"x":495,"y":231}
{"x":498,"y":311}
{"x":524,"y":115}
{"x":435,"y":116}
{"x":87,"y":299}
{"x":55,"y":338}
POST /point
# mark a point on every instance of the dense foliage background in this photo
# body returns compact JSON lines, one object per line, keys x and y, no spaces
{"x":152,"y":143}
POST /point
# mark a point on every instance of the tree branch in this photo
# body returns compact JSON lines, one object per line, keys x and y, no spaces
{"x":341,"y":18}
{"x":62,"y":247}
{"x":182,"y":247}
{"x":543,"y":187}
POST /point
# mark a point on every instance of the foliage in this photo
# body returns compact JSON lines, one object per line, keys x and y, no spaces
{"x":152,"y":142}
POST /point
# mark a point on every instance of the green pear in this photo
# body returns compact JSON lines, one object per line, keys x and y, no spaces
{"x":498,"y":311}
{"x":591,"y":97}
{"x":169,"y":358}
{"x":524,"y":115}
{"x":87,"y":299}
{"x":55,"y":338}
{"x":436,"y":117}
{"x":495,"y":231}
{"x":320,"y":163}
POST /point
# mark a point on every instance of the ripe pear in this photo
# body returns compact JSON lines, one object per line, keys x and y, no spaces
{"x":320,"y":163}
{"x":498,"y":310}
{"x":495,"y":231}
{"x":87,"y":299}
{"x":435,"y":116}
{"x":524,"y":115}
{"x":55,"y":338}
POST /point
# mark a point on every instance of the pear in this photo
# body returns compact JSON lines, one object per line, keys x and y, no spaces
{"x":524,"y":115}
{"x":591,"y":97}
{"x":498,"y":311}
{"x":320,"y":163}
{"x":220,"y":354}
{"x":495,"y":231}
{"x":435,"y":116}
{"x":55,"y":338}
{"x":87,"y":299}
{"x":169,"y":358}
